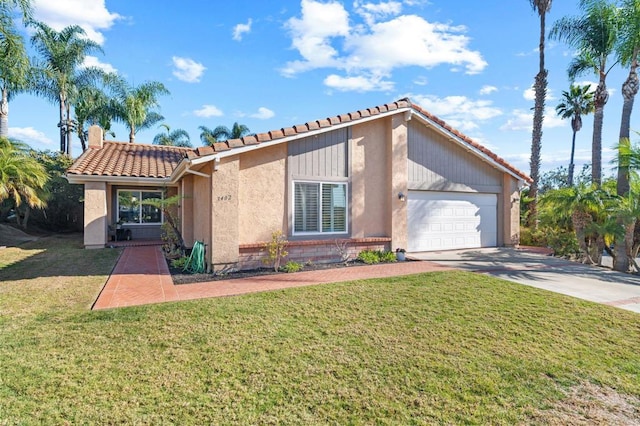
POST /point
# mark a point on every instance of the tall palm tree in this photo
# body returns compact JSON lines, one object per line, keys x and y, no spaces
{"x":14,"y":63}
{"x":133,"y":105}
{"x":92,"y":106}
{"x":628,"y":49}
{"x":594,"y":36}
{"x":14,"y":71}
{"x":22,"y":177}
{"x":177,"y":137}
{"x":540,"y":87}
{"x":222,"y":133}
{"x":59,"y":76}
{"x":578,"y":101}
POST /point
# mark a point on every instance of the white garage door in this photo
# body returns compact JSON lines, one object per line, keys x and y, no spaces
{"x":451,"y":220}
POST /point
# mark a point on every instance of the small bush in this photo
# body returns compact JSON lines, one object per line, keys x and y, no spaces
{"x":292,"y":266}
{"x":371,"y":257}
{"x":387,"y":256}
{"x":562,"y":241}
{"x":179,"y":262}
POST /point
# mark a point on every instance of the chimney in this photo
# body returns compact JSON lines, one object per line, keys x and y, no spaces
{"x":96,"y":136}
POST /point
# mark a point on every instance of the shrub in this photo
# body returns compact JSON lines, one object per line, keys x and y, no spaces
{"x":180,"y":262}
{"x":371,"y":257}
{"x":292,"y":266}
{"x":276,"y":250}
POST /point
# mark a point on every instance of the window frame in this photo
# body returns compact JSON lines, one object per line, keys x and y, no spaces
{"x":139,"y":191}
{"x":320,"y":183}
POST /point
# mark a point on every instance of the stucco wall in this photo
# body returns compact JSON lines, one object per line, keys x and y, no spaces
{"x":262,"y":194}
{"x":202,"y":209}
{"x":225,"y":208}
{"x":95,"y":214}
{"x":511,"y":209}
{"x":397,"y":169}
{"x":370,"y":201}
{"x":186,"y":210}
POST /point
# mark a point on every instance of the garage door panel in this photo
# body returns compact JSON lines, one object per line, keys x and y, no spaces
{"x":446,"y":220}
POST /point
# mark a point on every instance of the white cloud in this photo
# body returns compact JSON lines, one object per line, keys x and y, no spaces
{"x":91,"y":15}
{"x":187,"y":69}
{"x":458,"y":111}
{"x":311,"y":35}
{"x":523,"y":120}
{"x":421,"y":81}
{"x":358,"y":83}
{"x":530,"y":94}
{"x":372,"y":12}
{"x":241,"y":29}
{"x":324,"y":38}
{"x":208,"y":111}
{"x":29,"y":135}
{"x":263,"y":114}
{"x":487,"y":90}
{"x":92,"y":61}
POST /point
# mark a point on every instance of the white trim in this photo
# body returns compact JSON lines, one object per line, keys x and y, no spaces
{"x":119,"y":180}
{"x":193,"y":172}
{"x":318,"y":233}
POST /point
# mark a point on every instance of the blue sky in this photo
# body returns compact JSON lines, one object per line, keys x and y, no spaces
{"x":275,"y":64}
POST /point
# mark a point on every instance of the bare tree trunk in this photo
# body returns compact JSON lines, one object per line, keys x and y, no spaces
{"x":571,"y":161}
{"x":629,"y":91}
{"x":132,"y":134}
{"x":63,"y":145}
{"x":600,"y":99}
{"x":4,"y":114}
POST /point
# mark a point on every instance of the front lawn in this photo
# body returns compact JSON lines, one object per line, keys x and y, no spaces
{"x":444,"y":348}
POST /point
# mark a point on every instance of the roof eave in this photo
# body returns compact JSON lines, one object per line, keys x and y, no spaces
{"x":120,"y":180}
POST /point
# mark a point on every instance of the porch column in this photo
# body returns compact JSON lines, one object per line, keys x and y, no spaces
{"x":398,"y":170}
{"x":95,"y":214}
{"x":511,"y":211}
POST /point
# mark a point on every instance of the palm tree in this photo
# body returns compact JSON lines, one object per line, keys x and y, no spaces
{"x":177,"y":137}
{"x":133,"y":105}
{"x":540,"y":87}
{"x":14,"y":63}
{"x":59,"y":77}
{"x":578,"y":101}
{"x":585,"y":206}
{"x":14,"y":70}
{"x":628,"y":49}
{"x":22,"y":177}
{"x":594,"y":36}
{"x":222,"y":133}
{"x":92,"y":106}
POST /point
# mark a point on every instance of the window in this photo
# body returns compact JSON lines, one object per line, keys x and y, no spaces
{"x":319,"y":208}
{"x":133,"y":209}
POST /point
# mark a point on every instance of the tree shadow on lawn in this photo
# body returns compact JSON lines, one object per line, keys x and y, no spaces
{"x":53,"y":256}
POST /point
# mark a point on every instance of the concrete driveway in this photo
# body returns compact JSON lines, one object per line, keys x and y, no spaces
{"x":561,"y":276}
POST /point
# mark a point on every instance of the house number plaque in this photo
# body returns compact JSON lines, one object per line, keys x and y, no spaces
{"x":224,"y":197}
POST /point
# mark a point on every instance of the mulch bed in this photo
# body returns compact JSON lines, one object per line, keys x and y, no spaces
{"x":181,"y":277}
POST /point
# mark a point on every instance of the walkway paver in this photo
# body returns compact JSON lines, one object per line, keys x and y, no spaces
{"x":142,"y":277}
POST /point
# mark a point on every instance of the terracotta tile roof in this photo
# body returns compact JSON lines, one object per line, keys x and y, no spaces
{"x":301,"y":129}
{"x":130,"y":160}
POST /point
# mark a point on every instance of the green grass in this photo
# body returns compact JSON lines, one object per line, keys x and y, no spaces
{"x":443,"y":348}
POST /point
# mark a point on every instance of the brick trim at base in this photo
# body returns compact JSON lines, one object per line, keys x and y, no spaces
{"x":314,"y":251}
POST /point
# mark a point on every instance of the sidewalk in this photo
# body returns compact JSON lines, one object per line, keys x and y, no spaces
{"x":142,"y":277}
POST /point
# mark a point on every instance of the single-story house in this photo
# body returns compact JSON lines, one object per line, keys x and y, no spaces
{"x":387,"y":177}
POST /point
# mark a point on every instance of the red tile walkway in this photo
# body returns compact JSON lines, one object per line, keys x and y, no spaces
{"x":141,"y":277}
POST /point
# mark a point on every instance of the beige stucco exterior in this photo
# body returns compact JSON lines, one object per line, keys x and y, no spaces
{"x":263,"y":187}
{"x":234,"y":201}
{"x":95,"y":214}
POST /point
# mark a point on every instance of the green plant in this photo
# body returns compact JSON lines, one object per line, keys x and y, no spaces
{"x":292,"y":266}
{"x":387,"y":256}
{"x":276,"y":250}
{"x":369,"y":257}
{"x":180,"y":262}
